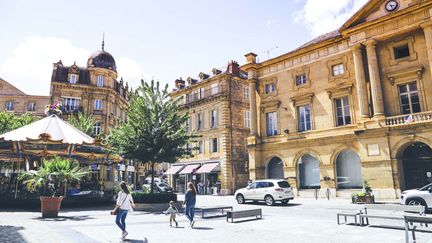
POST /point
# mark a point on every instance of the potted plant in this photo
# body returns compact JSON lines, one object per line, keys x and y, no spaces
{"x":364,"y":196}
{"x":51,"y":181}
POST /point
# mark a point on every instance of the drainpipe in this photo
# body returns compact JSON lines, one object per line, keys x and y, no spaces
{"x":231,"y":136}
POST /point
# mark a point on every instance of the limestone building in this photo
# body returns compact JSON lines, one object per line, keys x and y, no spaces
{"x":218,"y":106}
{"x":349,"y":106}
{"x":96,"y":90}
{"x":16,"y":101}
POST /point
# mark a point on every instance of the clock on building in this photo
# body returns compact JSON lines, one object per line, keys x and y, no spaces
{"x":391,"y":5}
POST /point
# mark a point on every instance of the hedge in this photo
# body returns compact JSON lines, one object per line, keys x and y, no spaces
{"x":141,"y":197}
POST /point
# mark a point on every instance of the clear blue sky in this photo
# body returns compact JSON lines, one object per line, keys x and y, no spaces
{"x":160,"y":39}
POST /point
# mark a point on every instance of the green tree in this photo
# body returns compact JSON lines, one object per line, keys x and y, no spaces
{"x":154,"y":131}
{"x":9,"y":121}
{"x":84,"y":122}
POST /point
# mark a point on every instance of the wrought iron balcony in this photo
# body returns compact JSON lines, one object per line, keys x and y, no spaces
{"x":409,"y":118}
{"x":201,"y":94}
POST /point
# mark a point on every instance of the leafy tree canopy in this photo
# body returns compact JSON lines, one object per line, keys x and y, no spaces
{"x":9,"y":121}
{"x":155,"y":130}
{"x":84,"y":122}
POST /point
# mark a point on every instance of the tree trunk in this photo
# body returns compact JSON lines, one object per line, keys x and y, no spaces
{"x":152,"y":177}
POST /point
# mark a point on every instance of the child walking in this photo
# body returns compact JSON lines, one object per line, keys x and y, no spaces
{"x":173,"y":211}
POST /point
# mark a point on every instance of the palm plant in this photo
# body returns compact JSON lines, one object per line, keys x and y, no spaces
{"x":53,"y":176}
{"x":84,"y":122}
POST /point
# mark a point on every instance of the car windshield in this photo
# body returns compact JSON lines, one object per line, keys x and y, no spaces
{"x":426,"y":188}
{"x":284,"y":184}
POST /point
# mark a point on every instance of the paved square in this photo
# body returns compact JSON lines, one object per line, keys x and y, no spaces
{"x":303,"y":220}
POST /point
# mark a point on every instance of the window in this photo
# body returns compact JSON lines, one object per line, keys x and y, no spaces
{"x":270,"y":88}
{"x":70,"y":104}
{"x":97,"y":128}
{"x":213,"y":119}
{"x":401,"y":51}
{"x":409,"y":98}
{"x":73,"y":79}
{"x":200,"y":147}
{"x":343,"y":116}
{"x":338,"y":69}
{"x":100,"y":81}
{"x":9,"y":106}
{"x":304,"y":118}
{"x":214,"y":89}
{"x":247,"y":119}
{"x":98,"y":105}
{"x":271,"y":119}
{"x":246,"y":92}
{"x":188,"y":122}
{"x":199,"y":120}
{"x":31,"y":106}
{"x":214,"y":145}
{"x":301,"y":79}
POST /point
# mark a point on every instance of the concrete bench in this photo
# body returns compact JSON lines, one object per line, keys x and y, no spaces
{"x":348,"y":214}
{"x":223,"y":210}
{"x":244,"y":214}
{"x":393,"y":212}
{"x":410,"y":220}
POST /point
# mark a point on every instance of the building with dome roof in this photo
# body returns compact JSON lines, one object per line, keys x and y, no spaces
{"x":97,"y":90}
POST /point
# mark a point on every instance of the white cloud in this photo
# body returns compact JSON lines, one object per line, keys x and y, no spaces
{"x":29,"y":67}
{"x":324,"y":16}
{"x":271,"y":22}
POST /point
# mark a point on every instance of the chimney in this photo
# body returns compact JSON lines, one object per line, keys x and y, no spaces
{"x":180,"y":83}
{"x":233,"y":68}
{"x":251,"y":57}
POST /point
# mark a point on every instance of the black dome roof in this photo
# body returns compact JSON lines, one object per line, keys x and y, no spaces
{"x":102,"y":59}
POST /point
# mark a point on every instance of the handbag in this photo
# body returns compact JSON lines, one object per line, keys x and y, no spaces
{"x":115,"y":210}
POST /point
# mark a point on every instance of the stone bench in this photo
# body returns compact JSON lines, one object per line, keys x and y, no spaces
{"x":244,"y":214}
{"x":393,"y":212}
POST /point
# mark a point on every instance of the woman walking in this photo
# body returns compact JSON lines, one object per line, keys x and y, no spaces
{"x":189,"y":202}
{"x":125,"y":204}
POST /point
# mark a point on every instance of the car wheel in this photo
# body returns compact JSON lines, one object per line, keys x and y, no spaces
{"x":416,"y":201}
{"x":269,"y":201}
{"x":240,"y":199}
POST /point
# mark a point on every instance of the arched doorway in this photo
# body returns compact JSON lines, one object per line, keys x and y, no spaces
{"x":348,"y":170}
{"x":417,"y":165}
{"x":309,"y":172}
{"x":275,"y":169}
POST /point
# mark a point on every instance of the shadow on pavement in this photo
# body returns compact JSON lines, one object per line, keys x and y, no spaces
{"x":136,"y":241}
{"x":275,"y":205}
{"x":202,"y":228}
{"x":246,"y":220}
{"x":11,"y":234}
{"x":65,"y":218}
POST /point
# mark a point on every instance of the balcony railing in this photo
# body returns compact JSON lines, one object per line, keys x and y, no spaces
{"x":409,"y":118}
{"x":197,"y":94}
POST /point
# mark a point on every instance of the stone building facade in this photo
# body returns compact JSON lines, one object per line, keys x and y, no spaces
{"x":16,"y":101}
{"x":218,"y":106}
{"x":350,"y":106}
{"x":95,"y":90}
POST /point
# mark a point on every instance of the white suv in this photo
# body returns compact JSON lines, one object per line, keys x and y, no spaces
{"x":422,"y":196}
{"x":269,"y":191}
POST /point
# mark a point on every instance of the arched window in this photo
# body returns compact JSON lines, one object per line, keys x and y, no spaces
{"x":348,"y":170}
{"x":275,"y":169}
{"x":309,"y":172}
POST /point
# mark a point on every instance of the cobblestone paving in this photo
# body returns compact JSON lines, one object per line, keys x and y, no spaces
{"x":303,"y":220}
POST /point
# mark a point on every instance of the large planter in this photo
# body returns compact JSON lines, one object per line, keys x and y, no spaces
{"x":50,"y":206}
{"x":368,"y":199}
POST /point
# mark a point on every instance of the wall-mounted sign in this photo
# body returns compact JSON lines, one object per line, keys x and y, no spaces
{"x":373,"y":149}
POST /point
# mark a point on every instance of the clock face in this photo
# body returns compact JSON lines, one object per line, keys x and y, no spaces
{"x":391,"y":5}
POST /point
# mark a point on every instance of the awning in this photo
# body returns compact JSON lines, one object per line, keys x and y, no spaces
{"x":207,"y":168}
{"x":189,"y":168}
{"x":173,"y":170}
